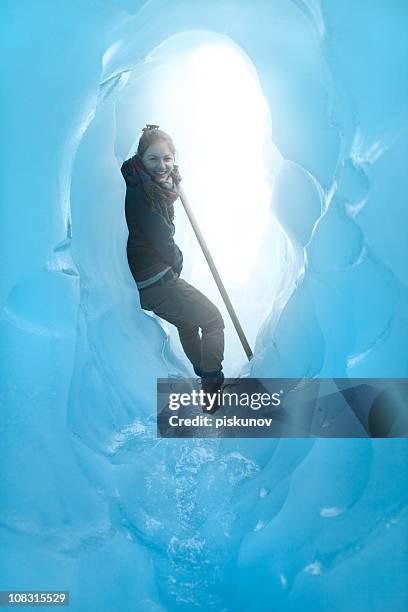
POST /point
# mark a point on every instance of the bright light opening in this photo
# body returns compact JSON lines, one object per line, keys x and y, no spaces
{"x":204,"y":91}
{"x":213,"y":106}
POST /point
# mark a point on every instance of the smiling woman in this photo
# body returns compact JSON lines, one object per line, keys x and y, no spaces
{"x":155,"y":260}
{"x":158,"y":159}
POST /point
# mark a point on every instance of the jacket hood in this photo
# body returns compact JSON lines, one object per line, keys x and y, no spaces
{"x":130,"y":173}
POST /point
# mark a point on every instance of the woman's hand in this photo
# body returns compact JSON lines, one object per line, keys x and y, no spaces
{"x":178,"y":266}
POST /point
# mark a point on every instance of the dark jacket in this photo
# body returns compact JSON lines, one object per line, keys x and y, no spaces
{"x":151,"y":247}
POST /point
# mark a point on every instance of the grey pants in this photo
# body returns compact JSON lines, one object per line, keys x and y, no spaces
{"x":189,"y":310}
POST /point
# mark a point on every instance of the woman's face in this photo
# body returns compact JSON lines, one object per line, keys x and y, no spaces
{"x":158,"y":160}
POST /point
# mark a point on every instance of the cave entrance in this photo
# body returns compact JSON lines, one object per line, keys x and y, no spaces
{"x":203,"y":90}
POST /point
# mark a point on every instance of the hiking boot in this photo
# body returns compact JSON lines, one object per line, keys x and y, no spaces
{"x":212,"y":386}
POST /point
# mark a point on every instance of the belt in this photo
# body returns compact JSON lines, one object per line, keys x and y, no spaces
{"x":166,"y":277}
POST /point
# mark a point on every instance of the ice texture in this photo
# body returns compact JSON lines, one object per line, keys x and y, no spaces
{"x":91,"y":501}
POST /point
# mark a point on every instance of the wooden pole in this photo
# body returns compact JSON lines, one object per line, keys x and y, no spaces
{"x":215,"y":274}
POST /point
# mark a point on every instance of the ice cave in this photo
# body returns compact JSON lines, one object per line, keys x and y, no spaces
{"x":290,"y":121}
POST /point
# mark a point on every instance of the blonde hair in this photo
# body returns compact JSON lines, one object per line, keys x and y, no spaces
{"x":151,"y":134}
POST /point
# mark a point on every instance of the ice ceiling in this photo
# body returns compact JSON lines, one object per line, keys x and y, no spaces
{"x":292,"y":147}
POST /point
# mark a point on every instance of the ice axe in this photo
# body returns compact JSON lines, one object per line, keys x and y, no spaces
{"x":215,"y":274}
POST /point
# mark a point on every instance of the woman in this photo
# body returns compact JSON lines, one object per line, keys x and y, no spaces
{"x":152,"y":181}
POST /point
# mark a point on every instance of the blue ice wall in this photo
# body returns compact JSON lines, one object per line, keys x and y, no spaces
{"x":91,"y":501}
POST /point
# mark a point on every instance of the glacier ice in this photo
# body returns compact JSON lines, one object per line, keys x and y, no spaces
{"x":92,"y":502}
